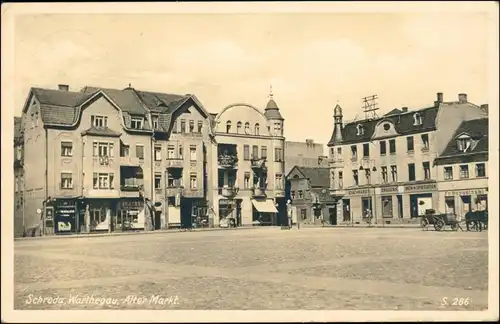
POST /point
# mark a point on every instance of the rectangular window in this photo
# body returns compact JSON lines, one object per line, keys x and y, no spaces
{"x":409,"y":144}
{"x":255,"y":152}
{"x":66,"y":148}
{"x":368,"y":176}
{"x":411,"y":172}
{"x":192,"y":153}
{"x":66,"y":180}
{"x":181,"y":152}
{"x":303,"y":213}
{"x":354,"y":152}
{"x":263,"y":152}
{"x":124,"y":150}
{"x":170,"y":152}
{"x":427,"y":170}
{"x":383,"y":148}
{"x":102,"y":149}
{"x":339,"y":153}
{"x":341,"y":179}
{"x":99,"y":121}
{"x":246,"y":183}
{"x":464,"y":171}
{"x":425,"y":142}
{"x":448,"y":173}
{"x":157,"y":152}
{"x":193,"y":183}
{"x":175,"y":128}
{"x":191,"y":126}
{"x":278,"y":154}
{"x":183,"y":126}
{"x":136,"y":122}
{"x":139,"y":151}
{"x":355,"y":177}
{"x":394,"y":173}
{"x":279,"y":181}
{"x":366,"y":150}
{"x":480,"y":170}
{"x":301,"y":194}
{"x":103,"y":180}
{"x":155,"y":122}
{"x":158,"y":181}
{"x":200,"y":126}
{"x":392,"y":146}
{"x":385,"y":177}
{"x":246,"y":152}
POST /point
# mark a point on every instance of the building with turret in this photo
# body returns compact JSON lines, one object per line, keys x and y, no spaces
{"x":247,"y":182}
{"x":384,"y":167}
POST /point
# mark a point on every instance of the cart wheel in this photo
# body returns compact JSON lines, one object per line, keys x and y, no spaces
{"x":454,"y":227}
{"x":439,"y":225}
{"x":424,"y":223}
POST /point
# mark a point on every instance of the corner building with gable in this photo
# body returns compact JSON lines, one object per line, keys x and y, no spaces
{"x":385,"y":166}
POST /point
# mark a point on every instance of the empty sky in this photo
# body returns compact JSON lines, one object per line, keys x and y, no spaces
{"x":313,"y":61}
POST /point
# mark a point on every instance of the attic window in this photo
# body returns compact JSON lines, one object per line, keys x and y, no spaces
{"x":99,"y":121}
{"x":257,"y":129}
{"x":387,"y":126}
{"x":247,"y":128}
{"x":155,"y":122}
{"x":360,"y":129}
{"x":417,"y":119}
{"x":463,"y":143}
{"x":228,"y":126}
{"x":238,"y":127}
{"x":136,"y":122}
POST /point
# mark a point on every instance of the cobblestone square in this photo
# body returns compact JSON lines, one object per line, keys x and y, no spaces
{"x":258,"y":269}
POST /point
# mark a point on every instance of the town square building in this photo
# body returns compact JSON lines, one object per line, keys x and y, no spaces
{"x":384,"y":167}
{"x":126,"y":159}
{"x":462,"y":169}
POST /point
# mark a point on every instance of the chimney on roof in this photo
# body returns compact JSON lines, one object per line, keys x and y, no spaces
{"x":439,"y":97}
{"x":405,"y":109}
{"x":462,"y":98}
{"x":484,"y":107}
{"x":63,"y":87}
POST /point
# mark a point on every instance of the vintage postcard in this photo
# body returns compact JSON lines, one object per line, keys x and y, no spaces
{"x":246,"y":162}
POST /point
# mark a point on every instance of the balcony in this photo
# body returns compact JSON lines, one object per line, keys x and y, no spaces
{"x":193,"y":193}
{"x":228,"y":191}
{"x":259,"y":163}
{"x":336,"y":163}
{"x":337,"y":193}
{"x":258,"y":192}
{"x":175,"y":163}
{"x":228,"y":161}
{"x":130,"y":161}
{"x":130,"y":187}
{"x":279,"y":193}
{"x":174,"y":191}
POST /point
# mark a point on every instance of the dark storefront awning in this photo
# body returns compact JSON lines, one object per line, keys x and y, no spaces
{"x":264,"y":206}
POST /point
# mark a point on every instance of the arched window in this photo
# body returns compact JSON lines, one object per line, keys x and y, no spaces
{"x":257,"y":129}
{"x":360,"y":129}
{"x":228,"y":126}
{"x":247,"y":128}
{"x":417,"y":119}
{"x":238,"y":127}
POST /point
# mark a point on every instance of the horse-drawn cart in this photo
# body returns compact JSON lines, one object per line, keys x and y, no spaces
{"x":439,"y":221}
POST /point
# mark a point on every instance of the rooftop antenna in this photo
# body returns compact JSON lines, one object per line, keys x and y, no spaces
{"x":370,"y":107}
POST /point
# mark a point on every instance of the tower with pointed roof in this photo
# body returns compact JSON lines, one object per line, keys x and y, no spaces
{"x":273,"y":115}
{"x":337,"y":127}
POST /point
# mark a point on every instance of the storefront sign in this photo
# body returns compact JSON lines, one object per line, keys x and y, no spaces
{"x":389,"y":189}
{"x":131,"y":204}
{"x":421,"y":187}
{"x":225,"y":202}
{"x":65,"y":219}
{"x":358,"y":192}
{"x":467,"y":192}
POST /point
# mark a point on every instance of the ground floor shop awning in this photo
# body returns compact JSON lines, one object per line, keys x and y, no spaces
{"x":264,"y":206}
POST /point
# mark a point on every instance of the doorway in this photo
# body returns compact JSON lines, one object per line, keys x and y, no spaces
{"x":346,"y":210}
{"x":332,"y":211}
{"x":157,"y":219}
{"x":400,"y":206}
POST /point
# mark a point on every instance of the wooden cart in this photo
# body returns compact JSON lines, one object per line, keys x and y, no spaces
{"x":439,"y":221}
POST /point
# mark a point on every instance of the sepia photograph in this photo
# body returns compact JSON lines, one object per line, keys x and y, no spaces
{"x":250,"y":161}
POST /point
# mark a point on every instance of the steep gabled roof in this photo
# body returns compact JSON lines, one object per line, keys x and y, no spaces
{"x":101,"y":131}
{"x":477,"y":129}
{"x":318,"y":176}
{"x":17,"y":127}
{"x":403,"y":123}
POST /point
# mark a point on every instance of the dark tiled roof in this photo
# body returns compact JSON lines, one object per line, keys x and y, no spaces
{"x":159,"y":102}
{"x":319,"y":176}
{"x":395,"y":111}
{"x":101,"y":131}
{"x":403,"y":124}
{"x":60,"y":98}
{"x":58,"y":114}
{"x":477,"y":129}
{"x":272,"y":111}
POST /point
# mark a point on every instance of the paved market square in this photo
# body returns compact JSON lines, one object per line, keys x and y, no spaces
{"x":256,"y":269}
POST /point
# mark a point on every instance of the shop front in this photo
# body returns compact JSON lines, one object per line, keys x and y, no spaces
{"x":421,"y":197}
{"x":65,"y":216}
{"x":358,"y":205}
{"x":130,"y":215}
{"x":264,"y":211}
{"x":461,"y":201}
{"x":230,"y":212}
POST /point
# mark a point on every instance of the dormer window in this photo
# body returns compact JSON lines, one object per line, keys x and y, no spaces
{"x":99,"y":121}
{"x":360,"y":129}
{"x":155,"y":122}
{"x":228,"y":126}
{"x":417,"y":119}
{"x":238,"y":127}
{"x":136,"y":122}
{"x":247,"y":128}
{"x":257,"y":129}
{"x":463,"y":143}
